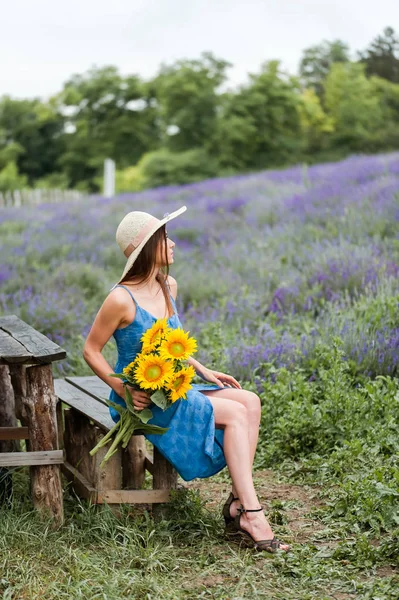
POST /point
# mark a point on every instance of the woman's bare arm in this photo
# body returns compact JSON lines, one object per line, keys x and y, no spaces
{"x":108,"y":318}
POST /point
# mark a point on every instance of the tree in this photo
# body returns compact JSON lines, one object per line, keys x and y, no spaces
{"x":29,"y":134}
{"x":187,"y":98}
{"x":317,"y":60}
{"x":388,"y":100}
{"x":164,"y":167}
{"x":353,"y":106}
{"x":259,"y":126}
{"x":316,"y":125}
{"x":382,"y":57}
{"x":109,"y":116}
{"x":10,"y":179}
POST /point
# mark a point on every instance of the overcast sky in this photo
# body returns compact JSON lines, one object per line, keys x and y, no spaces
{"x":44,"y":42}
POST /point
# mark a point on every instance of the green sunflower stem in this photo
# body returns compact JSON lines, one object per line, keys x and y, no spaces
{"x":118,"y":438}
{"x":104,"y":441}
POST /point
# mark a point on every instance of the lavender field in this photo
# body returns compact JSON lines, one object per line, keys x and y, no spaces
{"x":272,"y":263}
{"x":289,"y":281}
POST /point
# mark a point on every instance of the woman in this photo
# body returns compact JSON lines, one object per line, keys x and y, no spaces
{"x":218,"y":423}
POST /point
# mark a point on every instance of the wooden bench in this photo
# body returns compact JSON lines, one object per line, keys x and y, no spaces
{"x":27,"y":395}
{"x":83,"y":416}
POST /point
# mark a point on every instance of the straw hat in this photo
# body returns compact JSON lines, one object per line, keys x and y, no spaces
{"x":135,"y":230}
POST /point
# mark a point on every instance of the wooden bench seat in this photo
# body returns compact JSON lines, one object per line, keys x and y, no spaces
{"x":83,"y":417}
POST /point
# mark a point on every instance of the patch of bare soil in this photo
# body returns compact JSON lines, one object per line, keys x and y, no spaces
{"x":291,"y":503}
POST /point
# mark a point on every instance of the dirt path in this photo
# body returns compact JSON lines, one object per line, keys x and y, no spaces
{"x":285,"y":504}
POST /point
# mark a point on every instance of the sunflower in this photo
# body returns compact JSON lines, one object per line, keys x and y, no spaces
{"x":180,"y":383}
{"x":128,"y":371}
{"x":178,"y":345}
{"x":153,"y":336}
{"x":152,"y":372}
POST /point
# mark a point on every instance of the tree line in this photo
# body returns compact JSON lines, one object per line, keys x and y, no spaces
{"x":185,"y":124}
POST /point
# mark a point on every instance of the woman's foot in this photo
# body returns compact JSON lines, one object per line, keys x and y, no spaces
{"x":229,"y":511}
{"x":234,"y":506}
{"x":254,"y":523}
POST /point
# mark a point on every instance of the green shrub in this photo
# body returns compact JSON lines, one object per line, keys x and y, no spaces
{"x":164,"y":167}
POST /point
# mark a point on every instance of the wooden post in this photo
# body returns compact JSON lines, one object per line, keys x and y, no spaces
{"x":164,"y":477}
{"x":60,"y":424}
{"x":133,"y":463}
{"x":7,"y":419}
{"x":80,"y":436}
{"x":36,"y":404}
{"x":18,"y":380}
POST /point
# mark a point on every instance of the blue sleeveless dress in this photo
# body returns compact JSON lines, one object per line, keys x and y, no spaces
{"x":192,"y":444}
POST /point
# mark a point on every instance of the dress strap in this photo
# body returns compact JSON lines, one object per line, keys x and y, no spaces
{"x":126,"y":288}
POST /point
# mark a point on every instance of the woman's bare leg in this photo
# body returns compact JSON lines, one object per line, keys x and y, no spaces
{"x":252,"y":403}
{"x":233,"y":418}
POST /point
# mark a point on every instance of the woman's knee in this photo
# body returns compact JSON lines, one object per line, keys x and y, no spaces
{"x":240,"y":416}
{"x":253,"y":404}
{"x":229,"y":413}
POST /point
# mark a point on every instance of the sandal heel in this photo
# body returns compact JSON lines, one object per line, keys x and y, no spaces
{"x":228,"y":519}
{"x":270,"y":546}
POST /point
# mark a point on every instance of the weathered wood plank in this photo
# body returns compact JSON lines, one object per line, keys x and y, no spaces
{"x":14,"y":433}
{"x":35,"y":343}
{"x":92,"y":385}
{"x":83,"y":488}
{"x":79,"y":483}
{"x":133,"y":463}
{"x":11,"y":350}
{"x":83,"y":403}
{"x":133,"y":496}
{"x":26,"y":459}
{"x":80,"y":437}
{"x":7,"y":410}
{"x":40,"y":403}
{"x":149,"y":465}
{"x":164,"y":477}
{"x":7,"y":420}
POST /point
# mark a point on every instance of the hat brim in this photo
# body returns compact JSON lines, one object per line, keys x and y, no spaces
{"x":132,"y":258}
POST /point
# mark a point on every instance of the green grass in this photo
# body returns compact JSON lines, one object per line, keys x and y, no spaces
{"x":100,"y":555}
{"x":332,"y":494}
{"x":327,"y":472}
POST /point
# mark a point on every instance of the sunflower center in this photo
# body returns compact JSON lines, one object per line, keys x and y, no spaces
{"x":153,"y":372}
{"x":177,"y":349}
{"x":178,"y":382}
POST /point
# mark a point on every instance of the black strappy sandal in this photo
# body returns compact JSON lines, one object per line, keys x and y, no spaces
{"x":228,"y":519}
{"x":261,"y":545}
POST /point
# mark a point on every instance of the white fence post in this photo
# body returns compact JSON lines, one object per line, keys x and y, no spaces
{"x":109,"y":178}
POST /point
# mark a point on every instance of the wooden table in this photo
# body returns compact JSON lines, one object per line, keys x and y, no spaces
{"x":27,"y":394}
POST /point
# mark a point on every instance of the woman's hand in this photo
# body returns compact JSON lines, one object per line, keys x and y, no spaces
{"x":141,"y":399}
{"x":221,"y":379}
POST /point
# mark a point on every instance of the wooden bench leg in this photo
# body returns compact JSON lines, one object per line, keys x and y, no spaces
{"x":7,"y":419}
{"x":133,"y":463}
{"x":164,"y":477}
{"x":80,"y":436}
{"x":36,"y":402}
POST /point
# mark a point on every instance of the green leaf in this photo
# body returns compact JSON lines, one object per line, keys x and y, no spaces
{"x":144,"y":415}
{"x":129,"y":400}
{"x":151,"y":429}
{"x":120,"y":409}
{"x":159,"y":398}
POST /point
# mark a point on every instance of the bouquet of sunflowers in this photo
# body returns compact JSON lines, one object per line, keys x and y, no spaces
{"x":161,"y":368}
